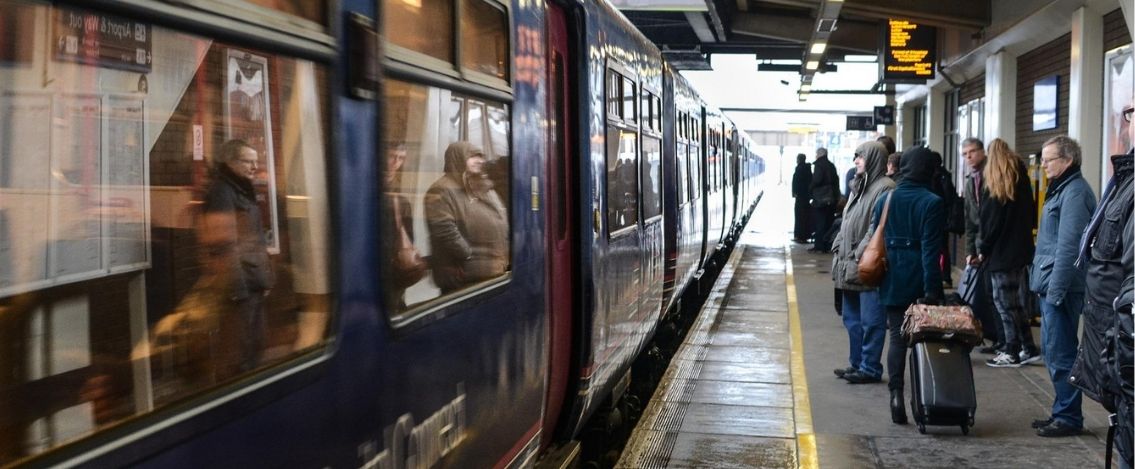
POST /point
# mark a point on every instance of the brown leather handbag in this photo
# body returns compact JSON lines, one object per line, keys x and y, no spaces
{"x":873,"y":262}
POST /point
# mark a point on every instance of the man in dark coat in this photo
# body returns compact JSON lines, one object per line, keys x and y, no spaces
{"x":1103,"y":366}
{"x":802,"y":192}
{"x":825,"y":196}
{"x":232,"y":194}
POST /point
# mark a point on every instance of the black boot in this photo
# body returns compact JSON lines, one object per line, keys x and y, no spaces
{"x":898,"y":408}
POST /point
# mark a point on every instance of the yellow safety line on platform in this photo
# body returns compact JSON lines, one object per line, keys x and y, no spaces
{"x":805,"y":436}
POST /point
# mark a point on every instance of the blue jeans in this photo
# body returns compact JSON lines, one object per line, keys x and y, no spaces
{"x":866,"y":326}
{"x":1058,"y":328}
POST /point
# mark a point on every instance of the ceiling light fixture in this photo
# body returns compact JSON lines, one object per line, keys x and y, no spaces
{"x":812,"y":65}
{"x":819,"y":47}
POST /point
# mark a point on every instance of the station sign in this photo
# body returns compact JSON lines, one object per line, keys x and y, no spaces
{"x":101,"y":40}
{"x":866,"y":123}
{"x":910,"y":51}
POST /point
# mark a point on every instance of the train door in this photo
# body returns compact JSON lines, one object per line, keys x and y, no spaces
{"x":561,"y":188}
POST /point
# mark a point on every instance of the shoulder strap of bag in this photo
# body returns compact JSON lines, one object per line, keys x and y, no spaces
{"x":1112,"y":421}
{"x":886,"y":208}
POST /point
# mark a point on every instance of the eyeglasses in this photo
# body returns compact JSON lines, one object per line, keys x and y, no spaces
{"x":1127,"y":113}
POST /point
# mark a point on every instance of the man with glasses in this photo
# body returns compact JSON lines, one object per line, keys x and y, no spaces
{"x":231,"y":194}
{"x":1103,"y":365}
{"x":1068,"y":205}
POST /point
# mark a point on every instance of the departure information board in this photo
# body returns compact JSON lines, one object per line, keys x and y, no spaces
{"x":910,"y":51}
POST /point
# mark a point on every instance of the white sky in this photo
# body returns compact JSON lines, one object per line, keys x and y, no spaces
{"x":736,"y":83}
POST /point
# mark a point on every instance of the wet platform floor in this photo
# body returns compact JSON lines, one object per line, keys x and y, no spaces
{"x":752,"y":387}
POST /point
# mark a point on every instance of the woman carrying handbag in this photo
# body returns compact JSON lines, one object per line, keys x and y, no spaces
{"x":913,"y":236}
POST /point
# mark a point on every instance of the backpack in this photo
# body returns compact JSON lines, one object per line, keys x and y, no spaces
{"x":942,"y":184}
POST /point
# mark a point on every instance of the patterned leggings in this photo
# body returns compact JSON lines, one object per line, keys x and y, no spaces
{"x":1010,"y":290}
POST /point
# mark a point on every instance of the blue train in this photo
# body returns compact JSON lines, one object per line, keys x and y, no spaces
{"x":293,"y":233}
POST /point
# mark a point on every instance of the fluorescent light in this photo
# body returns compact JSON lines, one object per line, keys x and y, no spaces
{"x":860,"y":58}
{"x":818,"y":48}
{"x":805,"y":88}
{"x":812,"y":64}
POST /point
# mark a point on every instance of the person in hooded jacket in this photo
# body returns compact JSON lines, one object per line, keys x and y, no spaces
{"x":863,"y":315}
{"x":468,"y":223}
{"x":913,"y":234}
{"x":1005,"y":247}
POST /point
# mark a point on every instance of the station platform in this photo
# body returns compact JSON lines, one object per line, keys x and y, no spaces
{"x":752,"y":385}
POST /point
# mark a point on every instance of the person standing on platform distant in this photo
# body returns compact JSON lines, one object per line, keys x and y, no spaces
{"x":974,"y":152}
{"x":802,"y":192}
{"x":825,"y":196}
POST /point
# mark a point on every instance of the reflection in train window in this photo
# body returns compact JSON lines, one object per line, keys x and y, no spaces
{"x":155,"y":241}
{"x":445,"y":217}
{"x":484,"y":38}
{"x":622,"y":178}
{"x":404,"y":21}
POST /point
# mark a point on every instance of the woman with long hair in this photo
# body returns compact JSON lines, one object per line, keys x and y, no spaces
{"x":1005,"y":248}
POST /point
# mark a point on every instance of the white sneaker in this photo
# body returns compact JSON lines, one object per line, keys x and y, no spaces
{"x":1026,"y":358}
{"x":1004,"y":360}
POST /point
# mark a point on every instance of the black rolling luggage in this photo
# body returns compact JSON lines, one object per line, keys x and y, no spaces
{"x":941,"y":379}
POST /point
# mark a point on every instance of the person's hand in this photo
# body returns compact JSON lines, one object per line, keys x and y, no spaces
{"x":973,"y":260}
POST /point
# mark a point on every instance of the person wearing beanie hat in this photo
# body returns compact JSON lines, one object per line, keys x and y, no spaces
{"x":913,"y":233}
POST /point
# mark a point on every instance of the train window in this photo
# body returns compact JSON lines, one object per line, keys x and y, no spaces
{"x":651,"y":177}
{"x":164,"y":223}
{"x":682,"y":178}
{"x":645,"y":110}
{"x":404,"y":22}
{"x":445,"y":196}
{"x":454,"y":119}
{"x":614,"y":95}
{"x":696,"y":185}
{"x":484,"y":38}
{"x":657,"y":116}
{"x":622,"y":178}
{"x":628,"y":100}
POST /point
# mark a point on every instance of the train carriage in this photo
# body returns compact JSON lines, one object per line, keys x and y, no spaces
{"x":355,"y":233}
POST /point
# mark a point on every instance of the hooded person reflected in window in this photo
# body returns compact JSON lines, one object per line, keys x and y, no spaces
{"x":468,"y":222}
{"x":231,"y":194}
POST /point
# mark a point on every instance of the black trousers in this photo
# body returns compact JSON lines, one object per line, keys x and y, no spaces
{"x":822,"y":218}
{"x":896,"y":349}
{"x":802,"y":229}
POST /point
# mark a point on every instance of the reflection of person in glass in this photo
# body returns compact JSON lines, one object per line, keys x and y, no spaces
{"x":232,"y":194}
{"x":403,"y":266}
{"x":467,"y":221}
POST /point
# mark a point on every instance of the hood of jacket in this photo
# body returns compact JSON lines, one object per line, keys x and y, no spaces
{"x":918,"y":165}
{"x":874,"y":156}
{"x":455,"y":156}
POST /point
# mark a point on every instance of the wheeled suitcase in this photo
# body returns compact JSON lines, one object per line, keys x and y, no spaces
{"x":941,"y":385}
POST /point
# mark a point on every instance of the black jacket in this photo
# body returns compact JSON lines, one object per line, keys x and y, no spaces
{"x":801,"y":183}
{"x":825,"y":183}
{"x":1006,"y":235}
{"x":231,"y":193}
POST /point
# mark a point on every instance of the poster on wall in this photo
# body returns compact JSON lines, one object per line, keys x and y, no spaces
{"x":126,"y":207}
{"x":248,"y":117}
{"x":1119,"y":82}
{"x":75,"y":234}
{"x":25,"y":177}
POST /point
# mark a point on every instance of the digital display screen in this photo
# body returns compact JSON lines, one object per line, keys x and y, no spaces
{"x":909,"y":51}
